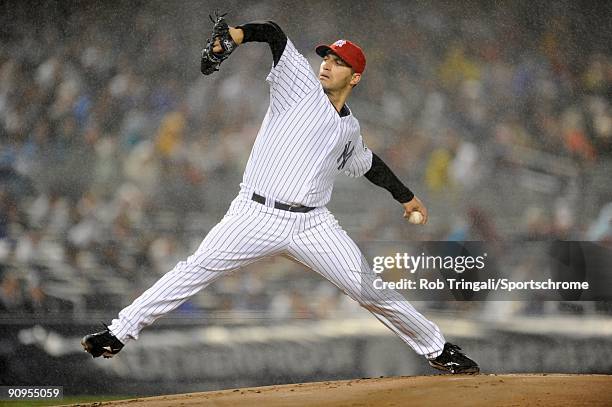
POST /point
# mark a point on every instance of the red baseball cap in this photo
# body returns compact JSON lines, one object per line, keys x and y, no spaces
{"x":348,"y":51}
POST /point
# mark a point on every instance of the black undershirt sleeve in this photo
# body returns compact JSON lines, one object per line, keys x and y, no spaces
{"x":266,"y":31}
{"x":381,"y":175}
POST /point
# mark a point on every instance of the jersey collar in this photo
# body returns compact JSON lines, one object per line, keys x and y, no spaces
{"x":345,"y":111}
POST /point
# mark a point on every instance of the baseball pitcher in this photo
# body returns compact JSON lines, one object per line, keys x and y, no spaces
{"x":308,"y":137}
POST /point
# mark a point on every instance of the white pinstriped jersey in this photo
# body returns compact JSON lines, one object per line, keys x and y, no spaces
{"x":303,"y":143}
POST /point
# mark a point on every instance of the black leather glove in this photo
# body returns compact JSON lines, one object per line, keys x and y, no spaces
{"x":211,"y":60}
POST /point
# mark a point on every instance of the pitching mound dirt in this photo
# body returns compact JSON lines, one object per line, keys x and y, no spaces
{"x":481,"y":390}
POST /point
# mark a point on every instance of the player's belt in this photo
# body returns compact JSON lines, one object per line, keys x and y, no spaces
{"x":283,"y":206}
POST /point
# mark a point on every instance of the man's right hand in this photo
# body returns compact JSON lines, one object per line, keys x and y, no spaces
{"x":415,"y":205}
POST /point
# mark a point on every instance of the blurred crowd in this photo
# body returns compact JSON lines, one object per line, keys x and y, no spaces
{"x":117,"y":155}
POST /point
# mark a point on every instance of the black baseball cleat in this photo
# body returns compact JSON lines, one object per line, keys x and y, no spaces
{"x":101,"y":343}
{"x":454,"y":361}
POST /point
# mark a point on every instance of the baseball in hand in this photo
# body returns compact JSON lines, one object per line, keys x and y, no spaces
{"x":415,"y":217}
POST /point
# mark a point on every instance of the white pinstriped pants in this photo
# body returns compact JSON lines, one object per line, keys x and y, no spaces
{"x":250,"y":231}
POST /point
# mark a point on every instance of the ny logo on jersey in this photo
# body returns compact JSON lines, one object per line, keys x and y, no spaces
{"x":340,"y":43}
{"x":346,"y":154}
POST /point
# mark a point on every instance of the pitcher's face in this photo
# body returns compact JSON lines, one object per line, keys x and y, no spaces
{"x":335,"y":74}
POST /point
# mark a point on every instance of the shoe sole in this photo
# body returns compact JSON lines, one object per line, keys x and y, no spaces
{"x":472,"y":370}
{"x":467,"y":370}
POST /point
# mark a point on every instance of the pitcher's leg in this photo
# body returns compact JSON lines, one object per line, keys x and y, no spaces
{"x":239,"y":239}
{"x":329,"y":251}
{"x":168,"y":293}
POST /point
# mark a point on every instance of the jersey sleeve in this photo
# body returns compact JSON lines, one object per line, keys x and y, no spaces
{"x":362,"y":162}
{"x":290,"y":80}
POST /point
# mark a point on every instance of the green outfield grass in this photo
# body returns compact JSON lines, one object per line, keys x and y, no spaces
{"x":65,"y":400}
